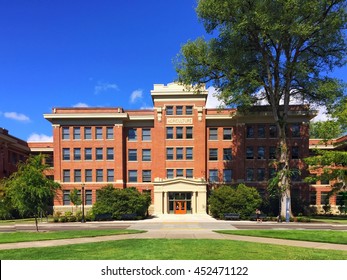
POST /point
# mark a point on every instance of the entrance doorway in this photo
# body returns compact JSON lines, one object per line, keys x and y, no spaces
{"x":180,"y":203}
{"x":180,"y":207}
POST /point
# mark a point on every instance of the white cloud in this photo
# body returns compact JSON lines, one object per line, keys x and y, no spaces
{"x":322,"y":114}
{"x":102,"y":87}
{"x":136,"y":95}
{"x":17,"y":116}
{"x":212,"y":100}
{"x":81,"y":105}
{"x":35,"y":137}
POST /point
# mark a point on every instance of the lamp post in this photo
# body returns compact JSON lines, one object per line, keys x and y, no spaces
{"x":82,"y":193}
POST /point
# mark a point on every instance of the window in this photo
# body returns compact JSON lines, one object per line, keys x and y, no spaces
{"x":169,"y":110}
{"x":179,"y":110}
{"x":179,"y":172}
{"x":272,"y":152}
{"x":213,"y":175}
{"x":272,"y":172}
{"x":169,"y":153}
{"x":179,"y":132}
{"x":295,"y":152}
{"x":249,"y":174}
{"x":77,"y":153}
{"x":261,"y":131}
{"x":132,"y":175}
{"x":324,"y":199}
{"x":227,"y":175}
{"x":132,"y":155}
{"x":249,"y":153}
{"x":66,"y":133}
{"x":189,"y":132}
{"x":213,"y":154}
{"x":295,"y":128}
{"x":227,"y":133}
{"x":189,"y":153}
{"x":87,"y":133}
{"x":146,"y":176}
{"x":109,"y":133}
{"x":66,"y":153}
{"x":313,"y":198}
{"x":146,"y":155}
{"x":169,"y":173}
{"x":132,"y":134}
{"x":189,"y":110}
{"x":261,"y":174}
{"x":88,"y":153}
{"x":110,"y":154}
{"x":77,"y":133}
{"x":66,"y":176}
{"x":66,"y":197}
{"x":77,"y":175}
{"x":249,"y":132}
{"x":179,"y":153}
{"x":213,"y":134}
{"x":169,"y":133}
{"x":261,"y":153}
{"x":110,"y":175}
{"x":189,"y":173}
{"x":99,"y":175}
{"x":98,"y":133}
{"x":146,"y":134}
{"x":99,"y":153}
{"x":295,"y":176}
{"x":88,"y":175}
{"x":273,"y":131}
{"x":227,"y":154}
{"x":88,"y":197}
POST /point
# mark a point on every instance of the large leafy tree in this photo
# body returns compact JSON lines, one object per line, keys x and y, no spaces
{"x":273,"y":50}
{"x":29,"y":190}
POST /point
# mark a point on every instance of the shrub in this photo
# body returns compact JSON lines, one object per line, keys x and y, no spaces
{"x":63,"y":219}
{"x":242,"y":200}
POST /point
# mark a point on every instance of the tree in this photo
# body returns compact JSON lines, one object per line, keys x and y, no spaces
{"x":325,"y":130}
{"x":29,"y":190}
{"x":273,"y":50}
{"x":75,"y":197}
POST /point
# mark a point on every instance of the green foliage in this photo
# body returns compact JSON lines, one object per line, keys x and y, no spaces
{"x":121,"y":201}
{"x":75,"y":197}
{"x":326,"y":130}
{"x":242,"y":200}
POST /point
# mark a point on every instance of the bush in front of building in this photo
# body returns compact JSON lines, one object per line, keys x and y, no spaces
{"x":242,"y":200}
{"x":121,"y":203}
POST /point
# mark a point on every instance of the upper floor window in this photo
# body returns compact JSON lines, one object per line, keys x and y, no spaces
{"x":169,"y":173}
{"x":88,"y":153}
{"x":99,"y":153}
{"x":77,"y":153}
{"x":213,"y":175}
{"x":179,"y":110}
{"x":227,"y":154}
{"x":189,"y":110}
{"x":295,"y":128}
{"x":261,"y":131}
{"x":213,"y":134}
{"x":77,"y":133}
{"x":109,"y":133}
{"x":272,"y":152}
{"x":213,"y":154}
{"x":87,"y":133}
{"x":169,"y":110}
{"x":110,"y":175}
{"x":146,"y":176}
{"x":261,"y":174}
{"x":169,"y":153}
{"x":88,"y":197}
{"x":189,"y":153}
{"x":88,"y":176}
{"x":261,"y":153}
{"x":146,"y":155}
{"x":66,"y":175}
{"x":66,"y":197}
{"x":295,"y":152}
{"x":99,"y":175}
{"x":189,"y":173}
{"x":66,"y":133}
{"x":189,"y":132}
{"x":179,"y":132}
{"x":227,"y":175}
{"x":179,"y":172}
{"x":132,"y":134}
{"x":249,"y":174}
{"x":146,"y":134}
{"x":227,"y":133}
{"x":132,"y":175}
{"x":179,"y":153}
{"x":132,"y":155}
{"x":110,"y":154}
{"x":77,"y":175}
{"x":169,"y":133}
{"x":66,"y":153}
{"x":273,"y":131}
{"x":98,"y":133}
{"x":250,"y":132}
{"x":249,"y":153}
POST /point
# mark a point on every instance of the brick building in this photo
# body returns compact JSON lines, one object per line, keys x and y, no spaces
{"x":176,"y":152}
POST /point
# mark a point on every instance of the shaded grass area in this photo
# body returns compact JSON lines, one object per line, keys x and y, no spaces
{"x":11,"y":237}
{"x":335,"y":220}
{"x":327,"y":236}
{"x":172,"y":249}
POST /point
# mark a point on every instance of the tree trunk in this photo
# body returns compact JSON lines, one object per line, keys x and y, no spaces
{"x":36,"y":224}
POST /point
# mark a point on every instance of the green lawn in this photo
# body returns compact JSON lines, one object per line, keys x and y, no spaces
{"x":11,"y":237}
{"x":172,"y":249}
{"x":327,"y":236}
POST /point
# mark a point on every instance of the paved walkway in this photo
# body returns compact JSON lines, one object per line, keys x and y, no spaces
{"x":174,"y":227}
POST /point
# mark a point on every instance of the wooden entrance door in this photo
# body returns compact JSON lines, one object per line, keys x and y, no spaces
{"x":180,"y":207}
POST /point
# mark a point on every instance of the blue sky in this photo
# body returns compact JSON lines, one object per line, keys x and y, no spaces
{"x":86,"y":53}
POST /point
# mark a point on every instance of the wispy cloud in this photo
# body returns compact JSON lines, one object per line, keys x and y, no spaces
{"x":136,"y":95}
{"x":212,"y":100}
{"x":35,"y":137}
{"x":17,"y":116}
{"x":80,"y":105}
{"x":103,"y":87}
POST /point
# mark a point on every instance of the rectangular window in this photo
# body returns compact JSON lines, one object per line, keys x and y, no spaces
{"x":110,"y":175}
{"x":179,"y":132}
{"x":295,"y":128}
{"x":261,"y":174}
{"x":249,"y":153}
{"x":146,"y":176}
{"x":227,"y":133}
{"x":99,"y":175}
{"x":169,"y":110}
{"x":189,"y":110}
{"x":110,"y":154}
{"x":132,"y":155}
{"x":146,"y":155}
{"x":169,"y":153}
{"x":295,"y":176}
{"x":249,"y":132}
{"x":169,"y":133}
{"x":87,"y":133}
{"x":179,"y":153}
{"x":77,"y":133}
{"x":272,"y":152}
{"x":77,"y":153}
{"x":66,"y":197}
{"x":227,"y":154}
{"x":132,"y":176}
{"x":179,"y":110}
{"x":169,"y":173}
{"x":77,"y":175}
{"x":66,"y":175}
{"x":213,"y":175}
{"x":132,"y":134}
{"x":189,"y":153}
{"x":213,"y":134}
{"x":261,"y":131}
{"x":66,"y":153}
{"x":313,"y":198}
{"x":227,"y":175}
{"x":66,"y":133}
{"x":249,"y":174}
{"x":189,"y":132}
{"x":273,"y":131}
{"x":179,"y":172}
{"x":88,"y":175}
{"x":88,"y":153}
{"x":213,"y":154}
{"x":189,"y":173}
{"x":98,"y":133}
{"x":261,"y":152}
{"x":99,"y":153}
{"x":272,"y":173}
{"x":109,"y":133}
{"x":146,"y":134}
{"x":295,"y":152}
{"x":324,"y":199}
{"x":88,"y":197}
